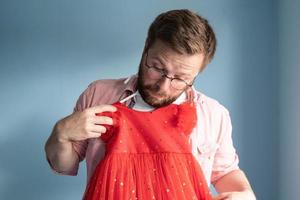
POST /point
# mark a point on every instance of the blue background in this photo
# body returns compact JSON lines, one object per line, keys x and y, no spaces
{"x":51,"y":50}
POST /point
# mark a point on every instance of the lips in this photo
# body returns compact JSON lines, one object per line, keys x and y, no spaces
{"x":156,"y":95}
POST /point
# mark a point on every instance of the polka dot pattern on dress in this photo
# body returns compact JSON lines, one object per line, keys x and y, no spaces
{"x":148,"y":156}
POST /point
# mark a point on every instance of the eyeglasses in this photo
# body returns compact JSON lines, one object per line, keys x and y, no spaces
{"x":158,"y":73}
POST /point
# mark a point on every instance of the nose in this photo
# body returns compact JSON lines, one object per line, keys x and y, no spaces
{"x":164,"y":84}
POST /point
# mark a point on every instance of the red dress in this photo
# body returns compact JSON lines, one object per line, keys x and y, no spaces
{"x":148,"y":156}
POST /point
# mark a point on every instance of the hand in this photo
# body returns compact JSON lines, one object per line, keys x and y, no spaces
{"x":245,"y":195}
{"x":84,"y":125}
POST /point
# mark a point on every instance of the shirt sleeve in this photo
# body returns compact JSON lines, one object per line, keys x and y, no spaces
{"x":226,"y":158}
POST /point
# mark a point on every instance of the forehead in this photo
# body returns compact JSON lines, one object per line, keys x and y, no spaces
{"x":162,"y":51}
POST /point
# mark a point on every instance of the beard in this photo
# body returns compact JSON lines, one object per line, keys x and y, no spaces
{"x":151,"y":94}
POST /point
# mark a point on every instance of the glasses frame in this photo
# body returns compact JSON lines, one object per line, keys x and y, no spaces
{"x":165,"y":75}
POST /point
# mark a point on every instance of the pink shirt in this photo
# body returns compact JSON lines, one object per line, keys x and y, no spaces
{"x":211,"y":139}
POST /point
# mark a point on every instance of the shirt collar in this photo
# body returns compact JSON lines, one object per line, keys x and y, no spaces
{"x":130,"y":83}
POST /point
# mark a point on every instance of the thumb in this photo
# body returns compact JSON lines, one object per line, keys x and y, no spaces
{"x":221,"y":196}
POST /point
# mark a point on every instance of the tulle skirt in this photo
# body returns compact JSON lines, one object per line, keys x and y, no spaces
{"x":148,"y":176}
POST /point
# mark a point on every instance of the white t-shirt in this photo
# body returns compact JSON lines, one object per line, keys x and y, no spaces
{"x":141,"y":105}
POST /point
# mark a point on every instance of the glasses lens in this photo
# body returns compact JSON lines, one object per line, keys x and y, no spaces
{"x":178,"y":84}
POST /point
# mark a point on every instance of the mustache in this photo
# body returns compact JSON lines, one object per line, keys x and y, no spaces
{"x":154,"y":88}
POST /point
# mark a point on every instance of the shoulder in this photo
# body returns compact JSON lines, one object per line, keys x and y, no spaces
{"x":210,"y":105}
{"x":214,"y":117}
{"x":104,"y":84}
{"x":104,"y":91}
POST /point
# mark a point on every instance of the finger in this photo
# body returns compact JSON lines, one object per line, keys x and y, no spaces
{"x":97,"y":129}
{"x":222,"y":196}
{"x":219,"y":198}
{"x":102,"y":120}
{"x":102,"y":108}
{"x":94,"y":134}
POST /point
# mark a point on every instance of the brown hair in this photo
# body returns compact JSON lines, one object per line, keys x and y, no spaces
{"x":185,"y":32}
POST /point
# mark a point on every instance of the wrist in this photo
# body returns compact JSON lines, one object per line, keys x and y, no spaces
{"x":59,"y":133}
{"x":250,"y":194}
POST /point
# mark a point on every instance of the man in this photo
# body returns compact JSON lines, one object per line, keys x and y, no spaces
{"x":180,"y":44}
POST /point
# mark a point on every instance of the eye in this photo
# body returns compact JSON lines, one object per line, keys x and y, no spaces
{"x":156,"y":65}
{"x":181,"y":78}
{"x":158,"y":68}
